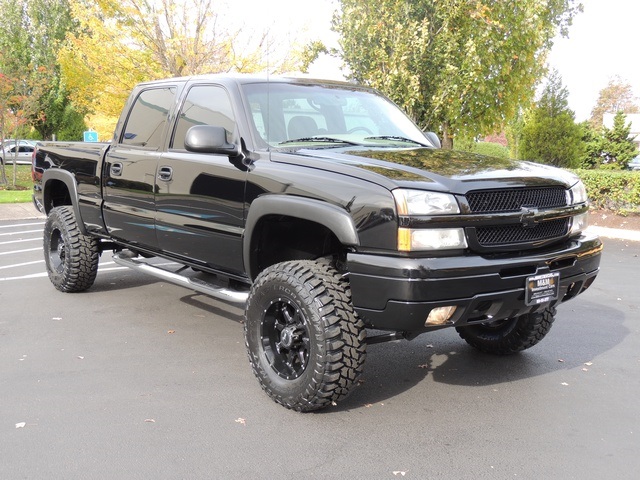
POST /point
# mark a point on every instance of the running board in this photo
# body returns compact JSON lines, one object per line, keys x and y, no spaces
{"x":198,"y":285}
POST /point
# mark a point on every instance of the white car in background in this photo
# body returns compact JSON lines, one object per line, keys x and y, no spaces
{"x":634,"y":164}
{"x":24,"y":149}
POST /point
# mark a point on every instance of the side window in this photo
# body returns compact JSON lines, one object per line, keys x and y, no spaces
{"x":204,"y":105}
{"x":148,"y":118}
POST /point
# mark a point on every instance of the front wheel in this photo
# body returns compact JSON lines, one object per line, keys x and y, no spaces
{"x":504,"y":337}
{"x":71,"y":257}
{"x":305,"y":343}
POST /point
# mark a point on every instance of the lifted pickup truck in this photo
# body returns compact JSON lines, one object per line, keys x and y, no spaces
{"x":326,"y":210}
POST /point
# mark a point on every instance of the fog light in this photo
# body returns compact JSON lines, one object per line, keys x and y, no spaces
{"x":440,"y":315}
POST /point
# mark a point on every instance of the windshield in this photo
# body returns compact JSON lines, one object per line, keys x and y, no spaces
{"x":318,"y":116}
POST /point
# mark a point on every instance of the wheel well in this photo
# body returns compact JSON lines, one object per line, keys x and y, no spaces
{"x":56,"y":194}
{"x":279,"y":238}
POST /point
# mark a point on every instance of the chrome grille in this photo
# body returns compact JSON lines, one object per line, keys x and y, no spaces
{"x":512,"y":200}
{"x":514,"y":234}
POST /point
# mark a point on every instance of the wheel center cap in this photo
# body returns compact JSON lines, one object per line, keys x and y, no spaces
{"x":287,"y":337}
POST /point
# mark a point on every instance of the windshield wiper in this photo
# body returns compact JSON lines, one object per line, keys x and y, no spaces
{"x":319,"y":140}
{"x":398,"y":138}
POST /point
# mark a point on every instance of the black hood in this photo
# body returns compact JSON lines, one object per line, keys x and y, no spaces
{"x":428,"y":168}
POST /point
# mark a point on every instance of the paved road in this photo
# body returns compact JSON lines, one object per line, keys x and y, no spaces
{"x":140,"y":379}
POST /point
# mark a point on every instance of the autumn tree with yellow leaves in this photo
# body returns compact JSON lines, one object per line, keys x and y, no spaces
{"x":120,"y":43}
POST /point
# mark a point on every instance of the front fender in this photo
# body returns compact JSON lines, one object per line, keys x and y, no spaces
{"x":336,"y":219}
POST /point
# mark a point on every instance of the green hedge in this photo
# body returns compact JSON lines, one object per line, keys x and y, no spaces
{"x":612,"y":190}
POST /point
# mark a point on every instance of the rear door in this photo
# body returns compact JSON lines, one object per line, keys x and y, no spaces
{"x":200,"y":197}
{"x":131,"y":164}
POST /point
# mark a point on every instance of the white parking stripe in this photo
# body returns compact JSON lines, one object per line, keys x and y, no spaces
{"x":21,"y":264}
{"x":21,"y":232}
{"x":44,"y":274}
{"x":13,"y":252}
{"x":22,"y":225}
{"x":24,"y":277}
{"x":38,"y":239}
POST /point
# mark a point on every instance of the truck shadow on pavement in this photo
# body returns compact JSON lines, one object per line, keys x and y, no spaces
{"x":577,"y":337}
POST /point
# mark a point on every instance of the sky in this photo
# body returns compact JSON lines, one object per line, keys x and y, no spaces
{"x":603,"y":42}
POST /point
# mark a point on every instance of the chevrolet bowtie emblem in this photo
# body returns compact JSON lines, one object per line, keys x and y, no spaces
{"x":528,"y":217}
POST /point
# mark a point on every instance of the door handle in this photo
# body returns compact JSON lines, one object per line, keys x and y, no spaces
{"x":116,"y":169}
{"x":165,"y":174}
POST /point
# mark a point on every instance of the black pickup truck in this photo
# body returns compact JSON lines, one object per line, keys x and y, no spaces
{"x":328,"y":212}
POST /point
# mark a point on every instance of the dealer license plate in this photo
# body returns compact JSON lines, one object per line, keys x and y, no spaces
{"x":542,"y":288}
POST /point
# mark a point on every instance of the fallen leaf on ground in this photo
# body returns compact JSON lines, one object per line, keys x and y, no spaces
{"x":171,"y":331}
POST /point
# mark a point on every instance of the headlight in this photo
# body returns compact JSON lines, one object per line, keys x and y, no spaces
{"x":426,"y":239}
{"x":579,"y":223}
{"x":420,"y":202}
{"x":578,"y":194}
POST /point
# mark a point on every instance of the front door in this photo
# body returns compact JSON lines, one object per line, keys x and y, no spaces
{"x":200,"y":197}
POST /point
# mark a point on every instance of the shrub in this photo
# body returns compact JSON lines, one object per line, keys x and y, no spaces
{"x":612,"y":190}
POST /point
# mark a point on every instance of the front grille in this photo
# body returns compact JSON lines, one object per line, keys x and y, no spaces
{"x":514,"y":234}
{"x":512,"y":200}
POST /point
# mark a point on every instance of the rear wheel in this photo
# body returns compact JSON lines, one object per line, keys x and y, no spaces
{"x":71,"y":257}
{"x":512,"y":335}
{"x":305,"y":343}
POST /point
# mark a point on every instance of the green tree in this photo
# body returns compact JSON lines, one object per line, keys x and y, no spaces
{"x":550,"y":134}
{"x":31,"y":32}
{"x":593,"y":142}
{"x":617,"y":146}
{"x":460,"y":67}
{"x":513,"y":131}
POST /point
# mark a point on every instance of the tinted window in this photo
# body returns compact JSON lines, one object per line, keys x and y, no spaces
{"x":148,"y":118}
{"x":204,"y":105}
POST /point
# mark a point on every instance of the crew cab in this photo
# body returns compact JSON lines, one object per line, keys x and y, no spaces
{"x":327,"y":212}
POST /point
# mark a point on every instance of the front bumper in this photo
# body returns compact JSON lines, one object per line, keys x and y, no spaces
{"x":396,"y":293}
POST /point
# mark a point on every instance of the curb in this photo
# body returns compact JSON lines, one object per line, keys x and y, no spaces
{"x":617,"y":233}
{"x":28,"y":211}
{"x":19,"y":211}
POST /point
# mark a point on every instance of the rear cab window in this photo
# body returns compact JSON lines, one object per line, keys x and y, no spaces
{"x":147,"y":121}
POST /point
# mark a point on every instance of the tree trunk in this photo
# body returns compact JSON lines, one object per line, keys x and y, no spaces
{"x":447,"y":139}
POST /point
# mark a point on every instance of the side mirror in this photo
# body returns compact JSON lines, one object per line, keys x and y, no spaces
{"x":433,"y":139}
{"x":209,"y":139}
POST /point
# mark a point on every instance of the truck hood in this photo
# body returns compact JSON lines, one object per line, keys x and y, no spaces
{"x":429,"y":168}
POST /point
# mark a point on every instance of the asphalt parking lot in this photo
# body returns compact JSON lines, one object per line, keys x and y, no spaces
{"x":137,"y":378}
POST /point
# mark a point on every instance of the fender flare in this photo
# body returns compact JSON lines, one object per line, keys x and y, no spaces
{"x":69,"y":180}
{"x":336,"y":219}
